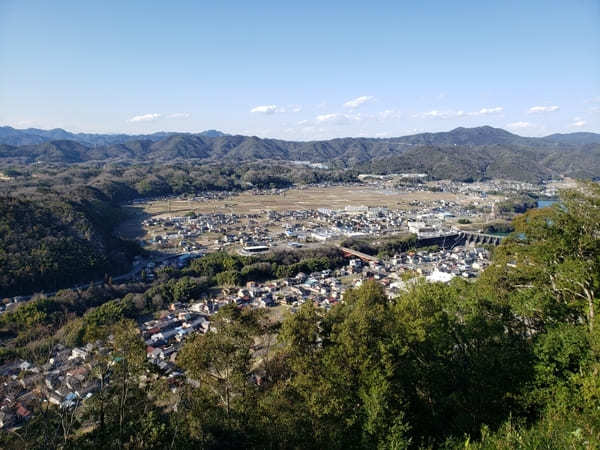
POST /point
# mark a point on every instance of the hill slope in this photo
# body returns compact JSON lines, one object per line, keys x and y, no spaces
{"x":49,"y":241}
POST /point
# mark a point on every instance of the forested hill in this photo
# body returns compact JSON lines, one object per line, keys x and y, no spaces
{"x":50,"y":241}
{"x":463,"y":153}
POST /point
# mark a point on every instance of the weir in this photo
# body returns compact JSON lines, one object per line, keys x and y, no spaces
{"x":460,"y":238}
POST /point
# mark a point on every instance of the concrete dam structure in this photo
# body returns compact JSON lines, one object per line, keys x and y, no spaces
{"x":460,"y":238}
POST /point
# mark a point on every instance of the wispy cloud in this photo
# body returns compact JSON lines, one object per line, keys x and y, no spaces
{"x":146,"y":118}
{"x":520,"y":125}
{"x":272,"y":109}
{"x":356,"y":102}
{"x":487,"y":111}
{"x":338,"y":118}
{"x":180,"y":115}
{"x":333,"y":118}
{"x":578,"y":122}
{"x":437,"y":114}
{"x":543,"y":109}
{"x":453,"y":113}
{"x":264,"y":109}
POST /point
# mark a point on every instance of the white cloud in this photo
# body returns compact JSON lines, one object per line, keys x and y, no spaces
{"x":338,"y":118}
{"x":272,"y":109}
{"x":179,"y":116}
{"x":265,"y":109}
{"x":578,"y":122}
{"x":486,"y":111}
{"x":520,"y":125}
{"x":451,"y":113}
{"x":334,"y":118}
{"x":436,"y":114}
{"x":542,"y":109}
{"x":146,"y":118}
{"x":355,"y":103}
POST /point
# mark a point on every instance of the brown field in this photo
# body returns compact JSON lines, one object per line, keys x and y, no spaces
{"x":336,"y":197}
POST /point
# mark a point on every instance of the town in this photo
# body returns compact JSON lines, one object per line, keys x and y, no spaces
{"x":67,"y":377}
{"x":303,"y":216}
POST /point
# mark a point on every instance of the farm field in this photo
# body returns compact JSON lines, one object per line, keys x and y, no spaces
{"x":304,"y":198}
{"x":335,"y":197}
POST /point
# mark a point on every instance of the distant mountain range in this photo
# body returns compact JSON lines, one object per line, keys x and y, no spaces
{"x":463,"y":153}
{"x":32,"y":136}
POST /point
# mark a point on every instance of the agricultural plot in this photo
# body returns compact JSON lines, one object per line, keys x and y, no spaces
{"x":334,"y":197}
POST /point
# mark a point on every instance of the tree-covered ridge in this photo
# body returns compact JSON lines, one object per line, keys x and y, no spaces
{"x":460,"y":154}
{"x":508,"y":361}
{"x":119,"y":183}
{"x":52,"y":243}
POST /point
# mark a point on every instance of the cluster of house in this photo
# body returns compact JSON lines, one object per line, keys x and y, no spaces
{"x":67,"y":376}
{"x":184,"y":231}
{"x":323,"y":224}
{"x":327,"y":287}
{"x":420,"y":182}
{"x":66,"y":379}
{"x":164,"y":336}
{"x":482,"y":188}
{"x":443,"y":265}
{"x":200,"y":196}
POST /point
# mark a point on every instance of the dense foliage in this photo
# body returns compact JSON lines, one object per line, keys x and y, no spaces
{"x":53,"y":243}
{"x":124,"y":182}
{"x":517,"y":205}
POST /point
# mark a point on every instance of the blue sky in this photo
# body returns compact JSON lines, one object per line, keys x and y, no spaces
{"x":301,"y":70}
